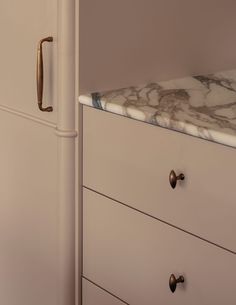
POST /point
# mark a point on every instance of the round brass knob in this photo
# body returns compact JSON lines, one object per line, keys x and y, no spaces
{"x":173,"y":281}
{"x":173,"y":178}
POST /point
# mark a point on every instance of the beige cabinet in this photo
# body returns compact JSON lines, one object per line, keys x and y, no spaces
{"x":29,"y":227}
{"x":131,"y":161}
{"x":37,"y":243}
{"x":138,"y":230}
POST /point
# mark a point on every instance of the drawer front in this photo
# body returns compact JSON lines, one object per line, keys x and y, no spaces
{"x":93,"y":295}
{"x":130,"y":161}
{"x":133,"y":256}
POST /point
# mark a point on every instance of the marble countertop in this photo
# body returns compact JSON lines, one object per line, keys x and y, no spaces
{"x":201,"y":106}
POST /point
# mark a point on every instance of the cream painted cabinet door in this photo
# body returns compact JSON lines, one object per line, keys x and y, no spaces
{"x":29,"y":209}
{"x":22,"y":24}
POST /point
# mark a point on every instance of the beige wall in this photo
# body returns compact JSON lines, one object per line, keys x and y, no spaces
{"x":126,"y":42}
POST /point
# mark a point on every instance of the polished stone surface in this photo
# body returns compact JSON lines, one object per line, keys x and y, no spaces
{"x":201,"y":106}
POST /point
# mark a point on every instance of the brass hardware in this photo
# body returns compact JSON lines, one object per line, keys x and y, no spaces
{"x":173,"y":282}
{"x":39,"y":75}
{"x":173,"y":178}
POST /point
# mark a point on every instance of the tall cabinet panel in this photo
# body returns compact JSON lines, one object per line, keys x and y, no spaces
{"x":35,"y":268}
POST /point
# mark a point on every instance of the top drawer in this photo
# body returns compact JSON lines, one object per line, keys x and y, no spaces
{"x":131,"y":161}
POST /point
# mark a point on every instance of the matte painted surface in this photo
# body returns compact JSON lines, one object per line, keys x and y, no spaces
{"x":37,"y":204}
{"x":29,"y":213}
{"x":131,"y":161}
{"x":133,"y":256}
{"x":92,"y":295}
{"x":129,"y":42}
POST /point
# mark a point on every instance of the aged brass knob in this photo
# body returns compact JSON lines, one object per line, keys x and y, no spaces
{"x":173,"y":178}
{"x":173,"y":282}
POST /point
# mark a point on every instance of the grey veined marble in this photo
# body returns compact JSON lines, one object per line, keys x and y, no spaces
{"x":201,"y":106}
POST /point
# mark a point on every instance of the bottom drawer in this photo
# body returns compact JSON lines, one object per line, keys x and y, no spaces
{"x":93,"y":295}
{"x":133,"y":256}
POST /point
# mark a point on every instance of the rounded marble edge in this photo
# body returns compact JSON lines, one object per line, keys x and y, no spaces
{"x":182,"y":127}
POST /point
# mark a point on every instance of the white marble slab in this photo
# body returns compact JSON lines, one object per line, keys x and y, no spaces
{"x":201,"y":106}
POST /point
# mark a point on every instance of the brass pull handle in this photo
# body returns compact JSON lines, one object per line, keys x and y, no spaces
{"x":39,"y":75}
{"x":173,"y":178}
{"x":173,"y":281}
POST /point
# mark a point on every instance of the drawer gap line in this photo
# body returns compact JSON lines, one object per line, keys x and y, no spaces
{"x":113,"y":295}
{"x":163,"y":221}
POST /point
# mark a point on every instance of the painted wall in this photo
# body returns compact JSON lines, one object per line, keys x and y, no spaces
{"x":126,"y":42}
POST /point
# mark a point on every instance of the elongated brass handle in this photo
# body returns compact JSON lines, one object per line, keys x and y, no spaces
{"x":39,"y":74}
{"x":173,"y":178}
{"x":173,"y":281}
